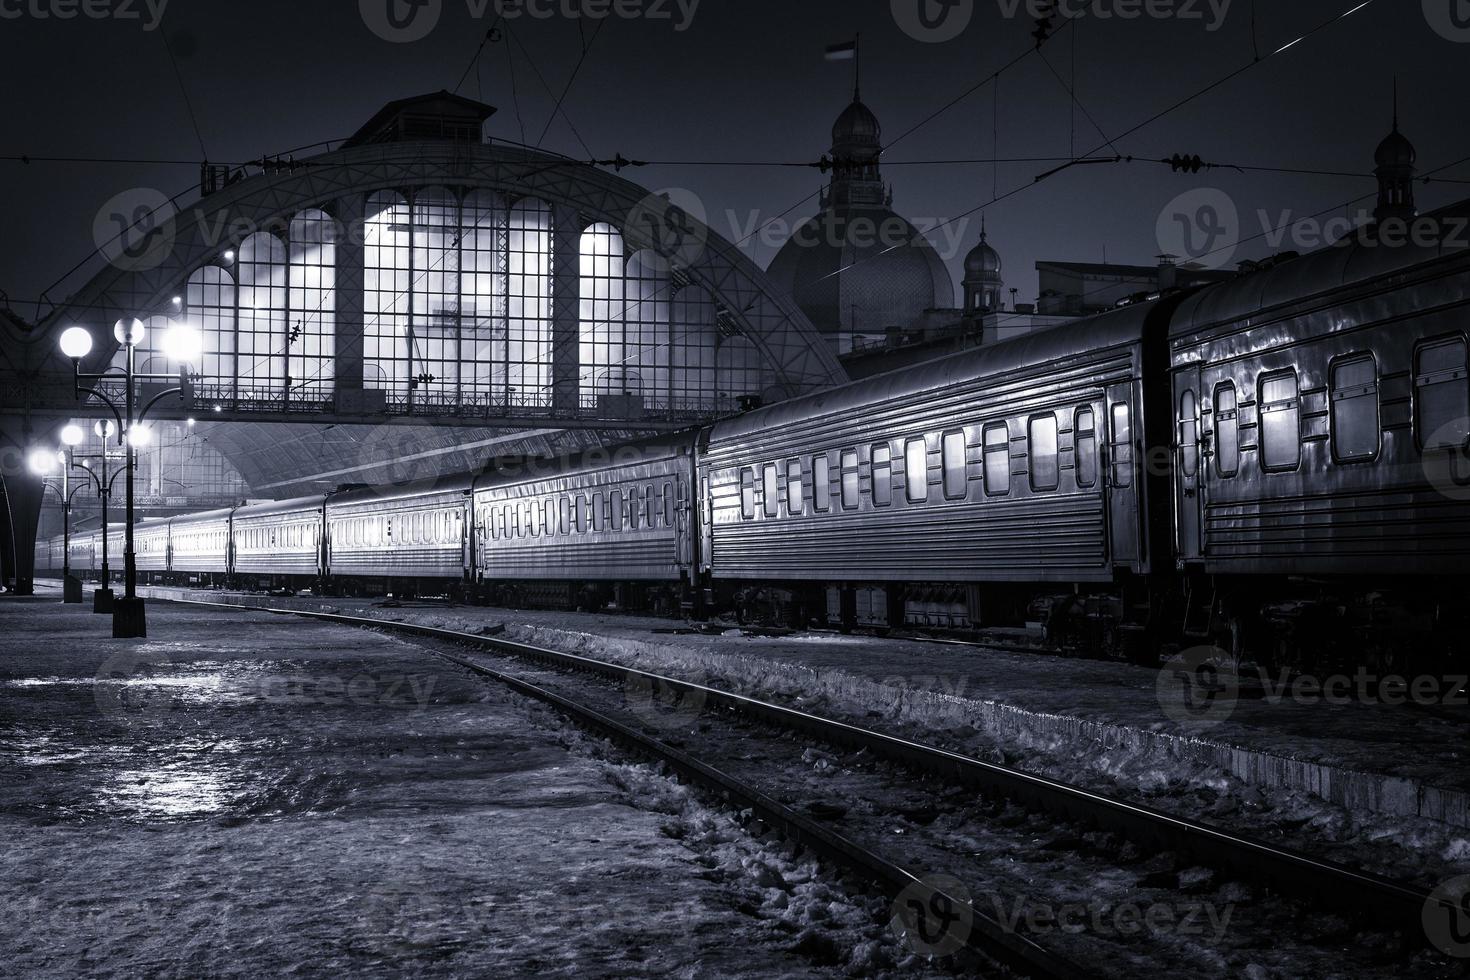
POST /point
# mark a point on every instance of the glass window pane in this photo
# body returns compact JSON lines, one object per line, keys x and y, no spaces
{"x":1227,"y":430}
{"x":795,"y":495}
{"x":1355,"y":408}
{"x":771,"y":490}
{"x":849,"y":478}
{"x":997,"y":459}
{"x":956,"y":474}
{"x":1085,"y":440}
{"x":1042,"y":452}
{"x":747,"y":493}
{"x":599,"y":516}
{"x":916,"y":470}
{"x":668,"y":505}
{"x":882,"y":475}
{"x":1188,"y":432}
{"x":1441,"y":395}
{"x":821,"y":484}
{"x":1122,"y":445}
{"x":1281,"y":444}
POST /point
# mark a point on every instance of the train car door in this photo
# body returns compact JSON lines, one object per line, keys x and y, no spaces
{"x":1189,"y":491}
{"x":1123,"y":489}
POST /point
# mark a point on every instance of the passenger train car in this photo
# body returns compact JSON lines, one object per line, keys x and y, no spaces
{"x":1277,"y":464}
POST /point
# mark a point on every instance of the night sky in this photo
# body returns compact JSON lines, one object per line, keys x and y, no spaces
{"x":745,"y":82}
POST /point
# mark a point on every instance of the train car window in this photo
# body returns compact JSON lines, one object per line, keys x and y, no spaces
{"x":882,"y":475}
{"x":747,"y":493}
{"x":599,"y":516}
{"x":515,"y":521}
{"x":1227,"y":430}
{"x":821,"y":484}
{"x":1188,"y":432}
{"x":564,"y":512}
{"x":1041,"y":452}
{"x":997,"y":442}
{"x":795,"y":492}
{"x":850,"y":487}
{"x":668,"y":505}
{"x":916,"y":470}
{"x":952,"y":450}
{"x":580,"y":513}
{"x":1354,"y":399}
{"x":1122,"y":445}
{"x":548,"y":506}
{"x":1084,"y":443}
{"x":1441,"y":397}
{"x":650,"y":506}
{"x":615,"y":509}
{"x":1281,"y":433}
{"x":770,"y":490}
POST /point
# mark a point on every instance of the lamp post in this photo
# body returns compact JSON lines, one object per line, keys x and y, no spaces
{"x":181,"y":344}
{"x":41,"y":460}
{"x":102,"y":597}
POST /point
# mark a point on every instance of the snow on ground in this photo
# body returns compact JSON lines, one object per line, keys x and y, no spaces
{"x":243,"y":795}
{"x":1344,"y":781}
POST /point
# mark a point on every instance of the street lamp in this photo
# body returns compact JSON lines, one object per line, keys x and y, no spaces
{"x":41,"y":462}
{"x":102,"y":596}
{"x":181,"y":343}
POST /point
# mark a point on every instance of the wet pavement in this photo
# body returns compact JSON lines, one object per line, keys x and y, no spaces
{"x":251,"y":794}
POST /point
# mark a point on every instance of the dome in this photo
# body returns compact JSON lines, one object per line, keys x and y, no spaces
{"x":857,"y":124}
{"x":983,"y":262}
{"x":1395,"y":151}
{"x":861,"y":268}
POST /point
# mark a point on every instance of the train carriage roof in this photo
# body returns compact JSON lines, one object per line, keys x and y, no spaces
{"x":202,"y":516}
{"x":1353,"y":259}
{"x":280,"y":507}
{"x":1079,"y":338}
{"x":503,"y":473}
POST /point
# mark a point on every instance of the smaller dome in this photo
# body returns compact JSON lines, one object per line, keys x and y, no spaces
{"x":983,"y":261}
{"x":857,"y":124}
{"x":1395,"y":151}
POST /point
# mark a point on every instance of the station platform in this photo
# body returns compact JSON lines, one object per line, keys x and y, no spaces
{"x":251,"y":795}
{"x":1381,"y":786}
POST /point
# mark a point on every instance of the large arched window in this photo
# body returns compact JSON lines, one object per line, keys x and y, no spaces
{"x":261,"y":322}
{"x":311,"y":341}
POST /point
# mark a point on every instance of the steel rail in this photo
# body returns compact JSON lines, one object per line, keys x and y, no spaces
{"x":1368,"y":898}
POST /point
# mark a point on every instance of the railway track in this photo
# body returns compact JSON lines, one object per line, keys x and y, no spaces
{"x":1374,"y":902}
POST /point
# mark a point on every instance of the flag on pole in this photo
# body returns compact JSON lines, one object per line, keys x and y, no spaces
{"x":845,"y":51}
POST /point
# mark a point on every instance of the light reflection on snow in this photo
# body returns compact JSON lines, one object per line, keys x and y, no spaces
{"x":176,"y":790}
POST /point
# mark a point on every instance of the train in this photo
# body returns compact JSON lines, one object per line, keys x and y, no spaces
{"x":1275,"y":464}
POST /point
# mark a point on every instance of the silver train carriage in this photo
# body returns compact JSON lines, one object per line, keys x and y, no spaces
{"x":554,"y":530}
